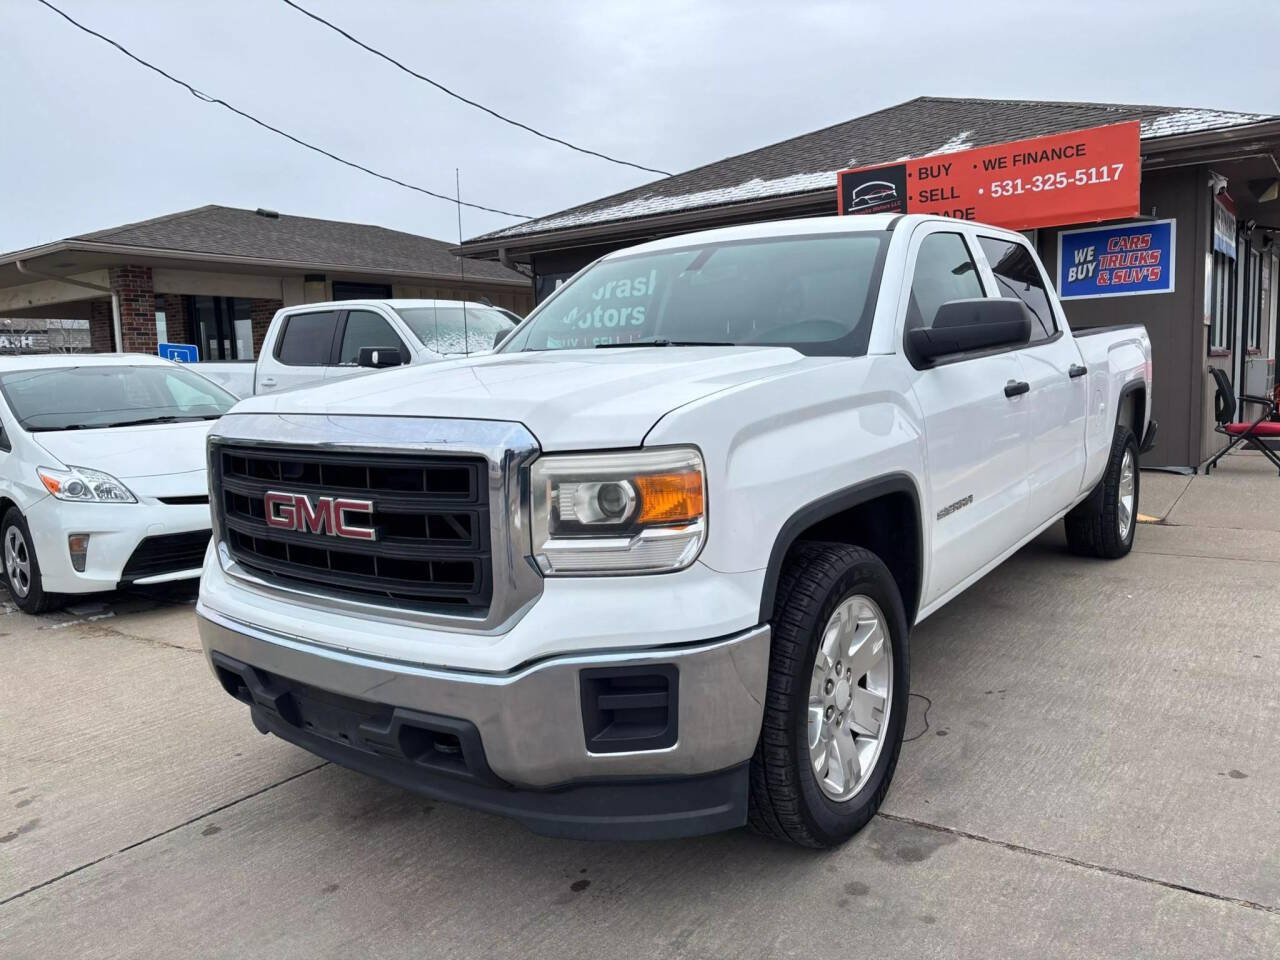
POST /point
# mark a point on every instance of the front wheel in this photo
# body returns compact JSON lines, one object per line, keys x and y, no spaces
{"x":1103,"y":525}
{"x":21,"y":568}
{"x":836,"y":704}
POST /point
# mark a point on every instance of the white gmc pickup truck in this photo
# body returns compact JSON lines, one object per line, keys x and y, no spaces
{"x":650,"y":569}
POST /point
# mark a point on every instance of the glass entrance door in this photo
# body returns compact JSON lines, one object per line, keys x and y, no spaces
{"x":223,"y":326}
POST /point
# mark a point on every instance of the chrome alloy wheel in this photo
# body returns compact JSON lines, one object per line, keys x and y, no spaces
{"x":850,"y":696}
{"x":17,"y":561}
{"x":1125,"y":511}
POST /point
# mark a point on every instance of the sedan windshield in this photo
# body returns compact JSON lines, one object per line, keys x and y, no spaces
{"x":813,"y":293}
{"x":89,"y":397}
{"x":455,"y":330}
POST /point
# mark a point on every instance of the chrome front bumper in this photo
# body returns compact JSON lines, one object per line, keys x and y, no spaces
{"x":530,"y":721}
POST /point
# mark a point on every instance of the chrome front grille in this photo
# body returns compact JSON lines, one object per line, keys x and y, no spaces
{"x":444,"y":500}
{"x":430,"y":516}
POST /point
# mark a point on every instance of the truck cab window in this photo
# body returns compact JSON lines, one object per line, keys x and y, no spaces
{"x":366,"y":329}
{"x":1019,"y":279}
{"x":944,"y":271}
{"x":307,"y":340}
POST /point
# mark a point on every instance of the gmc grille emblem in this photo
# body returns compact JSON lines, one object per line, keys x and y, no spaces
{"x":327,"y":515}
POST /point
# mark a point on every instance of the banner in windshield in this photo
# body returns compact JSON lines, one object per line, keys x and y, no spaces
{"x":615,"y":312}
{"x":1079,"y":177}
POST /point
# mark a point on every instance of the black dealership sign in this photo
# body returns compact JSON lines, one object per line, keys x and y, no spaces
{"x":879,"y":190}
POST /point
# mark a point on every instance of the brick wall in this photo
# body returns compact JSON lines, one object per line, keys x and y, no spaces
{"x":177,"y":324}
{"x":261,"y":312}
{"x":132,"y":284}
{"x":101,"y":334}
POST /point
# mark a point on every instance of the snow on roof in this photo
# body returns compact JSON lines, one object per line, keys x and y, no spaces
{"x":645,"y":206}
{"x":961,"y":141}
{"x":1194,"y":121}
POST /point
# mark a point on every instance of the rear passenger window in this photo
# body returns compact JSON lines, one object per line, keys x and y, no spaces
{"x":1019,"y":278}
{"x":307,"y":339}
{"x":944,"y":271}
{"x":366,"y":329}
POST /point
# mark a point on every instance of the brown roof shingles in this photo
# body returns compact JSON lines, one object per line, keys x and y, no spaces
{"x":232,"y":232}
{"x":915,"y":128}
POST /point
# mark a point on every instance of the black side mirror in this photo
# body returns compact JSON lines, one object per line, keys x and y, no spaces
{"x":501,"y":335}
{"x":961,"y":326}
{"x":379,"y":357}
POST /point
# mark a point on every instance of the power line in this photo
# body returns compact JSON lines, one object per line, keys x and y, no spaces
{"x":199,"y":95}
{"x":457,"y":96}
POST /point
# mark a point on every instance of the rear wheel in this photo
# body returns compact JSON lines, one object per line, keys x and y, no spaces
{"x":836,"y":704}
{"x":1103,"y":525}
{"x":21,"y":568}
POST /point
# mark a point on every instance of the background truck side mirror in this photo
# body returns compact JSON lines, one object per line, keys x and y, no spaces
{"x":961,"y":326}
{"x":379,"y":357}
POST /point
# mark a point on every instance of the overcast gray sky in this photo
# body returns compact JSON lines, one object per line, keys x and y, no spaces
{"x":89,"y":139}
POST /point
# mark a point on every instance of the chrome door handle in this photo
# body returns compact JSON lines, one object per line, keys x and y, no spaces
{"x":1016,"y":388}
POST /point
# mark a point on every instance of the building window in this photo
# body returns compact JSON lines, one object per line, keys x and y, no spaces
{"x":345,"y":290}
{"x":1222,"y":283}
{"x":1253,"y":305}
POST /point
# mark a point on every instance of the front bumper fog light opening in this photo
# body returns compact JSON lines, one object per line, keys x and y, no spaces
{"x":78,"y":547}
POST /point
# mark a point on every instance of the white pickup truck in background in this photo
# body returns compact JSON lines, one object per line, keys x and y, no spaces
{"x":650,"y":568}
{"x":313,"y":342}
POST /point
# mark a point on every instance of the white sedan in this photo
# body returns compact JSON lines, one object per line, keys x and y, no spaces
{"x":102,"y":473}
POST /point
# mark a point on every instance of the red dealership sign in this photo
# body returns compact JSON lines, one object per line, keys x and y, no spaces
{"x":1079,"y":177}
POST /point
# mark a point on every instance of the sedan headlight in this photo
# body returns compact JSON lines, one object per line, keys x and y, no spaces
{"x":614,"y":513}
{"x":83,"y":485}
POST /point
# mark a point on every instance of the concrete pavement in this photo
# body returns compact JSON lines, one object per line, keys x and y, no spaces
{"x":1095,"y":774}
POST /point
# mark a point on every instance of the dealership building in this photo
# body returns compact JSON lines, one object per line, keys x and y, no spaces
{"x":215,"y":276}
{"x":1207,"y":217}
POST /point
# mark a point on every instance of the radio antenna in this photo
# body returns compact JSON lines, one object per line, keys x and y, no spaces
{"x":462,"y":268}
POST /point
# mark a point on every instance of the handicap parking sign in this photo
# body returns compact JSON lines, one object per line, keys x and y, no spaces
{"x":179,"y":352}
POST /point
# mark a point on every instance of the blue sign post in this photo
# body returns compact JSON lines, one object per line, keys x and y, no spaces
{"x":179,"y":352}
{"x":1116,"y":261}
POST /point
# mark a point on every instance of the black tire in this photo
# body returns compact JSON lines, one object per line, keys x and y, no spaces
{"x":34,"y":600}
{"x":786,"y":801}
{"x":1093,"y":526}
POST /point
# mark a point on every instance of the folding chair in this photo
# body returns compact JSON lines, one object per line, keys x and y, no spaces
{"x":1252,"y":435}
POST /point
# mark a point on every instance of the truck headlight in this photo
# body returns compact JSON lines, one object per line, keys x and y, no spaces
{"x":82,"y":485}
{"x":615,"y":513}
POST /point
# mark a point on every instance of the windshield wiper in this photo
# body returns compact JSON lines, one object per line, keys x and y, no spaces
{"x":150,"y":420}
{"x":660,"y":342}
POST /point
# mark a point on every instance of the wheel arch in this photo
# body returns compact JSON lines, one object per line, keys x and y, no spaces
{"x":1131,"y":407}
{"x":881,"y":514}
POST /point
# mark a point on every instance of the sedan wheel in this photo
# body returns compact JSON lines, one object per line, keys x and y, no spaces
{"x":17,"y":562}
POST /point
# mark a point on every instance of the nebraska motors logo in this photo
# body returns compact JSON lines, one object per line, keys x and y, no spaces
{"x":326,"y":515}
{"x":878,"y":190}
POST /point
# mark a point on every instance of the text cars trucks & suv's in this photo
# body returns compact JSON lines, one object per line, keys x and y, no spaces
{"x":650,"y":568}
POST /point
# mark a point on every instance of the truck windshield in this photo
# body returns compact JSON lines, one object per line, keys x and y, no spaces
{"x":92,"y":397}
{"x":451,"y":330}
{"x":813,"y":293}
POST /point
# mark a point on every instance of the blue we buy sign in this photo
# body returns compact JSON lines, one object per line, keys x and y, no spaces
{"x":1116,"y":261}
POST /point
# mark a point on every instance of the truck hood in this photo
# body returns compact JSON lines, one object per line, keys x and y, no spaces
{"x":568,"y":399}
{"x":129,"y":453}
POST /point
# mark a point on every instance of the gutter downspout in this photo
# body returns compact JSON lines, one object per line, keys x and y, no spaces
{"x":117,"y":333}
